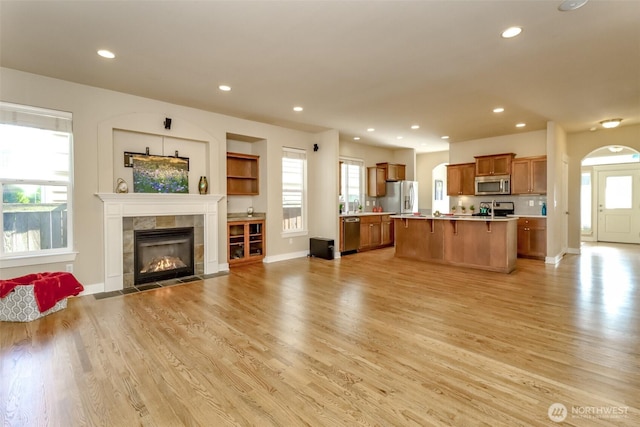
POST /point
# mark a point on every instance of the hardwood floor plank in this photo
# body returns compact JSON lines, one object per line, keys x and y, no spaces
{"x":368,"y":339}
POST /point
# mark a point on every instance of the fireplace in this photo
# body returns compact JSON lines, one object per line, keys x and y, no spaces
{"x":161,"y":254}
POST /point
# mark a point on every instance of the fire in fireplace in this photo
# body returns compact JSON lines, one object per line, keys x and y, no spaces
{"x":162,"y":254}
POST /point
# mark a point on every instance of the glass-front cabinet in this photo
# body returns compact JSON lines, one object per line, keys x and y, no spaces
{"x":246,"y":241}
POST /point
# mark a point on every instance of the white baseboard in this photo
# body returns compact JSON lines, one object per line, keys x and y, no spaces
{"x":96,"y":288}
{"x":554,"y":259}
{"x":223,"y":267}
{"x":574,"y":251}
{"x":284,"y":257}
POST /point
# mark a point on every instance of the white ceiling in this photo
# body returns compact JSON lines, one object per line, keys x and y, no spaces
{"x":351,"y":64}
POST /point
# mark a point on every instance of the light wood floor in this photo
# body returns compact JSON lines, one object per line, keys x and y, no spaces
{"x":365,"y":340}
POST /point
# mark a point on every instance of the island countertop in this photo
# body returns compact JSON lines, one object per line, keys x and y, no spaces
{"x":457,"y":217}
{"x":343,"y":215}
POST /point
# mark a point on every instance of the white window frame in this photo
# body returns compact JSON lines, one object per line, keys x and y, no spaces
{"x":34,"y":117}
{"x":296,"y":153}
{"x":362,"y":189}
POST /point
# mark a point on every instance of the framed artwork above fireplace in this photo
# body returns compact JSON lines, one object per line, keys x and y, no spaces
{"x":160,"y":174}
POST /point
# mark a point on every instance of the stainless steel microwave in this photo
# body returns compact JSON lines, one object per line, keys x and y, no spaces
{"x":495,"y":184}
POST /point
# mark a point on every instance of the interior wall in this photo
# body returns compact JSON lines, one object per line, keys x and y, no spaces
{"x":425,"y":162}
{"x":407,"y":157}
{"x":323,"y":186}
{"x":557,"y":229}
{"x":579,"y":145}
{"x":369,"y":154}
{"x":526,"y":144}
{"x":94,"y":110}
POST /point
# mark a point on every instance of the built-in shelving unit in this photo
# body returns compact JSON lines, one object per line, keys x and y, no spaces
{"x":243,"y":174}
{"x":246,"y":241}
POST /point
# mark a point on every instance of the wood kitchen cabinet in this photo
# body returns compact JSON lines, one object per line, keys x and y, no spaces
{"x":498,"y":164}
{"x":487,"y":245}
{"x":532,"y":237}
{"x":461,"y":179}
{"x":246,"y":241}
{"x":529,"y":175}
{"x":387,"y":230}
{"x":242,"y":174}
{"x":420,"y":239}
{"x":376,"y":182}
{"x":393,"y":171}
{"x":376,"y":231}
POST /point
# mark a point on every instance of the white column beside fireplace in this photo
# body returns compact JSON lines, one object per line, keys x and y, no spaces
{"x":117,"y":206}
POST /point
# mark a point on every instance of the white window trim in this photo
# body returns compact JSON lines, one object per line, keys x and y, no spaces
{"x":363,"y":172}
{"x":58,"y":121}
{"x":304,"y":231}
{"x":37,"y":259}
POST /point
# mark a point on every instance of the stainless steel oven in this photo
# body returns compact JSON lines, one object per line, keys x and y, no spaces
{"x":495,"y":184}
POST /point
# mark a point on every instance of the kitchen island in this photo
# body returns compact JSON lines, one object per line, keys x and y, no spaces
{"x":477,"y":242}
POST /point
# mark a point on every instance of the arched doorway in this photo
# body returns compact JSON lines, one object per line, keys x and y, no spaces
{"x":610,"y":195}
{"x":440,"y":199}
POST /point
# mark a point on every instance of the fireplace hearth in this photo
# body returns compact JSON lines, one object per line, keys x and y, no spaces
{"x":161,"y":254}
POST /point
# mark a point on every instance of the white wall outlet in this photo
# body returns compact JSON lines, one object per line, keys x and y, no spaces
{"x":530,"y":202}
{"x":69,"y":268}
{"x":459,"y":202}
{"x":374,"y":203}
{"x":540,"y":202}
{"x":367,"y":203}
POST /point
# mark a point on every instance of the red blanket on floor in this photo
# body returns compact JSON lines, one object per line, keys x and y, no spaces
{"x":48,"y":288}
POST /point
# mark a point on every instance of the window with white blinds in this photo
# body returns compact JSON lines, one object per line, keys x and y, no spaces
{"x":35,"y":180}
{"x":294,"y":176}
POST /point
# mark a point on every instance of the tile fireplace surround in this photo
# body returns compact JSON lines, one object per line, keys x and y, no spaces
{"x":120,"y":206}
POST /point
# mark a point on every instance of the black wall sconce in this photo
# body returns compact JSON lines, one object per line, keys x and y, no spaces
{"x":167,"y":123}
{"x":315,"y":147}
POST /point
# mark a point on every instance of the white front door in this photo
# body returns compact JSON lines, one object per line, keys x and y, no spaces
{"x":619,"y":204}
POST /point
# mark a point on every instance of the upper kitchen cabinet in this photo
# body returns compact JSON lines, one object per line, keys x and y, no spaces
{"x":461,"y":179}
{"x":393,"y":171}
{"x":497,"y":164}
{"x":242,"y":174}
{"x":376,"y":182}
{"x":529,"y":175}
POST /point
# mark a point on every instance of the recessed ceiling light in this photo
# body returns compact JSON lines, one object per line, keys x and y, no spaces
{"x":593,"y":129}
{"x":298,"y":108}
{"x":610,"y":123}
{"x":370,"y":130}
{"x":399,"y":137}
{"x":511,"y":32}
{"x":415,"y":126}
{"x":569,"y":5}
{"x":224,"y":88}
{"x":106,"y":54}
{"x":521,"y":125}
{"x":423,"y":143}
{"x":498,"y":110}
{"x":357,"y":138}
{"x":615,"y":149}
{"x":444,"y":137}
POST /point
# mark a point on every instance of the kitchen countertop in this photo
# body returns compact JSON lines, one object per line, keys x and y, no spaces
{"x":457,"y":217}
{"x":527,"y":216}
{"x":366,"y":214}
{"x":243,"y":216}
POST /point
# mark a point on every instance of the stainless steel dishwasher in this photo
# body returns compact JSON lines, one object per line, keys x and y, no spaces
{"x":351,"y":234}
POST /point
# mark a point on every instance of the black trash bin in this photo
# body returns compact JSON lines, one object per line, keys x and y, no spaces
{"x":320,"y":247}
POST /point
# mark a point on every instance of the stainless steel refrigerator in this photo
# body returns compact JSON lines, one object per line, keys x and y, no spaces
{"x":401,"y":197}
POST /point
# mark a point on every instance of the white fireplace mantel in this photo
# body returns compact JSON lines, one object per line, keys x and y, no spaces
{"x":119,"y":205}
